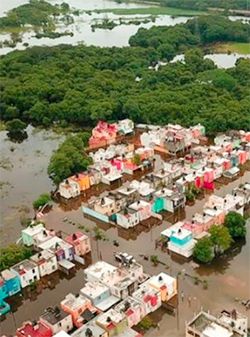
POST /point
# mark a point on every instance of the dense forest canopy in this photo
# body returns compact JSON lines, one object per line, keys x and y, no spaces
{"x":205,"y":4}
{"x":82,"y":84}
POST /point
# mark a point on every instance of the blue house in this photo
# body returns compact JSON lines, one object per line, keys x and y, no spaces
{"x":11,"y":282}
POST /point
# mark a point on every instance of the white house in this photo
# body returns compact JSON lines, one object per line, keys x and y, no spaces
{"x":69,"y":189}
{"x":143,"y":208}
{"x":127,"y":218}
{"x":57,"y":320}
{"x":46,"y":262}
{"x":27,"y":271}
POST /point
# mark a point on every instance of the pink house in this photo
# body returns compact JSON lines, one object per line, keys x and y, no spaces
{"x":149,"y":297}
{"x":80,"y":308}
{"x":103,"y":133}
{"x":80,"y":242}
{"x":132,"y":309}
{"x":195,"y":227}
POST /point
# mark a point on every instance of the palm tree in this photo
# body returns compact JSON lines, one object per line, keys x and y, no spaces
{"x":98,"y":235}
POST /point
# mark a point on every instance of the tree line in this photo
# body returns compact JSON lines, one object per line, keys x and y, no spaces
{"x":81,"y":85}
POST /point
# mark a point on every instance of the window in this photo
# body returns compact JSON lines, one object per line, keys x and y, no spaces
{"x":33,"y":271}
{"x":60,"y":324}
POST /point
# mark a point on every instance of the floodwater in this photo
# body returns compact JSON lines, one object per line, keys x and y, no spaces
{"x":23,"y":177}
{"x":228,"y":278}
{"x":119,"y":36}
{"x":222,"y":60}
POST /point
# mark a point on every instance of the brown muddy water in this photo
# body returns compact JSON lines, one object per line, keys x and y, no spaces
{"x":228,"y":279}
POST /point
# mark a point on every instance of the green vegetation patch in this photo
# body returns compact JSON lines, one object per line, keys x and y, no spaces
{"x":37,"y":13}
{"x":232,"y":47}
{"x":152,"y":11}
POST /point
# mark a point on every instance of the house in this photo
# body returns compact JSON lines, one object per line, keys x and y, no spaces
{"x":126,"y":126}
{"x":62,"y":334}
{"x":99,"y":271}
{"x":90,"y":329}
{"x":46,"y":262}
{"x":149,"y":297}
{"x":161,"y":178}
{"x":82,"y":179}
{"x":111,"y":175}
{"x":103,"y":134}
{"x":165,"y":284}
{"x":227,"y":325}
{"x":27,"y":271}
{"x":168,"y":200}
{"x":80,"y":242}
{"x":59,"y":247}
{"x":80,"y":308}
{"x":173,"y":168}
{"x":113,"y":322}
{"x":144,"y":188}
{"x":34,"y":329}
{"x":127,"y":218}
{"x":244,"y":192}
{"x":143,"y":208}
{"x":231,"y":173}
{"x":131,"y":194}
{"x":35,"y":234}
{"x":122,"y":281}
{"x":99,"y":295}
{"x":204,"y":220}
{"x":10,"y":283}
{"x":181,"y":242}
{"x":132,"y":309}
{"x":57,"y":320}
{"x":69,"y":189}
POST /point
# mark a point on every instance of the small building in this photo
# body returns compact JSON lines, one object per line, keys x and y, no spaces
{"x":100,"y":295}
{"x":82,"y":179}
{"x":62,"y":249}
{"x":69,"y":189}
{"x":149,"y":297}
{"x":80,"y":242}
{"x":57,"y":320}
{"x":99,"y":271}
{"x":90,"y":329}
{"x":231,"y":173}
{"x":126,"y":126}
{"x":227,"y":325}
{"x":80,"y":308}
{"x":244,"y":192}
{"x":143,"y":208}
{"x":127,"y":218}
{"x":166,"y":284}
{"x":132,"y":309}
{"x":181,"y":242}
{"x":34,"y":329}
{"x":27,"y":271}
{"x":168,"y":200}
{"x":46,"y":262}
{"x":113,"y":322}
{"x":10,"y":282}
{"x":35,"y":234}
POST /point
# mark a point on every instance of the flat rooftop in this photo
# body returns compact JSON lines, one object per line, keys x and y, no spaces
{"x":97,"y":331}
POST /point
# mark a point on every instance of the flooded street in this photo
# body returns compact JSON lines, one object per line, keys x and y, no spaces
{"x":228,"y":278}
{"x":23,"y":177}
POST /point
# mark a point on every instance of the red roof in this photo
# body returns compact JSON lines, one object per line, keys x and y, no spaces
{"x":38,"y":330}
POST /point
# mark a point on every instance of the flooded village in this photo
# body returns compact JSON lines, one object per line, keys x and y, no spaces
{"x":113,"y":254}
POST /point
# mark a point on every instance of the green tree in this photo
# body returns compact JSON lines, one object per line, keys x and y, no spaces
{"x":15,"y":127}
{"x":236,"y":225}
{"x":204,"y":250}
{"x":42,"y":200}
{"x":220,"y":237}
{"x":13,"y":254}
{"x":70,"y":158}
